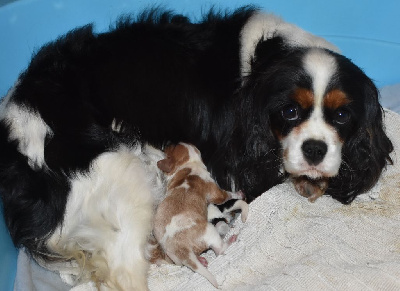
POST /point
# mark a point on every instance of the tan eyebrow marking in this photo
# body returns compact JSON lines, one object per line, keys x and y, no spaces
{"x":304,"y":97}
{"x":335,"y":99}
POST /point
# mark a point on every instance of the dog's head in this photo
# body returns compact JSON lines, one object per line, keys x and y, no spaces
{"x":323,"y":111}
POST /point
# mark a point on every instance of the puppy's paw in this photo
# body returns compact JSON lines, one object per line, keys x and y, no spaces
{"x":203,"y":261}
{"x":237,"y":195}
{"x":222,"y":227}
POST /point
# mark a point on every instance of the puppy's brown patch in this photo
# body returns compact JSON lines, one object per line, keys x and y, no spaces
{"x":335,"y":99}
{"x":156,"y":253}
{"x":179,"y":178}
{"x":176,"y":155}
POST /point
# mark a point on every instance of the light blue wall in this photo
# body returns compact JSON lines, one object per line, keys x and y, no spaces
{"x":367,"y":31}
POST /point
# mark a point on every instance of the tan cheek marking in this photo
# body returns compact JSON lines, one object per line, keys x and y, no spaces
{"x":335,"y":99}
{"x":298,"y":129}
{"x":285,"y":154}
{"x":304,"y":97}
{"x":278,"y":134}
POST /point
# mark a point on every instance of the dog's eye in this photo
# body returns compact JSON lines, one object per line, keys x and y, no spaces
{"x":341,"y":116}
{"x":290,"y":112}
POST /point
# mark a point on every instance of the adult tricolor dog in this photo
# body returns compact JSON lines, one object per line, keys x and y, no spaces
{"x":260,"y":98}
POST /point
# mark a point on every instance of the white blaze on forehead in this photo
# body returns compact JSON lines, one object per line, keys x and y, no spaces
{"x":262,"y":26}
{"x":321,"y":67}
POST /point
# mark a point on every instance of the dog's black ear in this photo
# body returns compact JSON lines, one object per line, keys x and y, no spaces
{"x":365,"y":154}
{"x":255,"y":151}
{"x":267,"y":52}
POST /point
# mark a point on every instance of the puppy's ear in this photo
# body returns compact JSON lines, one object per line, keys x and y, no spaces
{"x":166,"y":165}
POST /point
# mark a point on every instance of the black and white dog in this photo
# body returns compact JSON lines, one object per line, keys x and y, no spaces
{"x":262,"y":99}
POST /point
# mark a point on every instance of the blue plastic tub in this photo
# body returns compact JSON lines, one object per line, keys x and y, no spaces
{"x":367,"y":31}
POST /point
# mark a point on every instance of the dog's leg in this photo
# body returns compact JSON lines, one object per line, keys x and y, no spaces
{"x":311,"y":189}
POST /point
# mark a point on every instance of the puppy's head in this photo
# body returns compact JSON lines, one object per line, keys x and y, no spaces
{"x":324,"y":111}
{"x":177,"y":156}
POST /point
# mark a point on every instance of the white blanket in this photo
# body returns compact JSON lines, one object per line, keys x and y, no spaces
{"x":289,"y":243}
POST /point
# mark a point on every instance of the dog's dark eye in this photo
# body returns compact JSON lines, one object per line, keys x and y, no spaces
{"x":341,"y":116}
{"x":290,"y":112}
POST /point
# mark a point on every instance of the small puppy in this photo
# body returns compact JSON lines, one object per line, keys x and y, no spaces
{"x":180,"y":224}
{"x":222,"y":216}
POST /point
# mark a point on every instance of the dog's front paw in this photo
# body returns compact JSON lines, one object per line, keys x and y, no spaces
{"x":312,"y":189}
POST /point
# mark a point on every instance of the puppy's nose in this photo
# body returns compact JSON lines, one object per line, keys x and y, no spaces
{"x":314,"y":151}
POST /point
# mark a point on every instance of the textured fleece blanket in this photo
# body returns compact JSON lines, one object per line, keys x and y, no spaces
{"x":289,"y":243}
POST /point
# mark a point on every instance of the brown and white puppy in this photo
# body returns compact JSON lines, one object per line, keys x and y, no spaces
{"x":180,"y":225}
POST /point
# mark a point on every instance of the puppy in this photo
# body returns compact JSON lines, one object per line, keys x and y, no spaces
{"x":221,"y":216}
{"x":180,"y":224}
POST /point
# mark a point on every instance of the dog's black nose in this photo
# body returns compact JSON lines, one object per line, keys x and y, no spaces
{"x":314,"y":151}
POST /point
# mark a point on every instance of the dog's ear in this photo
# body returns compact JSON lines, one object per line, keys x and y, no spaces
{"x":365,"y":153}
{"x":166,"y":165}
{"x":268,"y":52}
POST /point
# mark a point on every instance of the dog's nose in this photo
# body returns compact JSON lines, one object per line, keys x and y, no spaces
{"x":314,"y":151}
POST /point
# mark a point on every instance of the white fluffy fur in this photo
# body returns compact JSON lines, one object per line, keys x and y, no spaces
{"x":26,"y":127}
{"x":109,"y":215}
{"x":265,"y":26}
